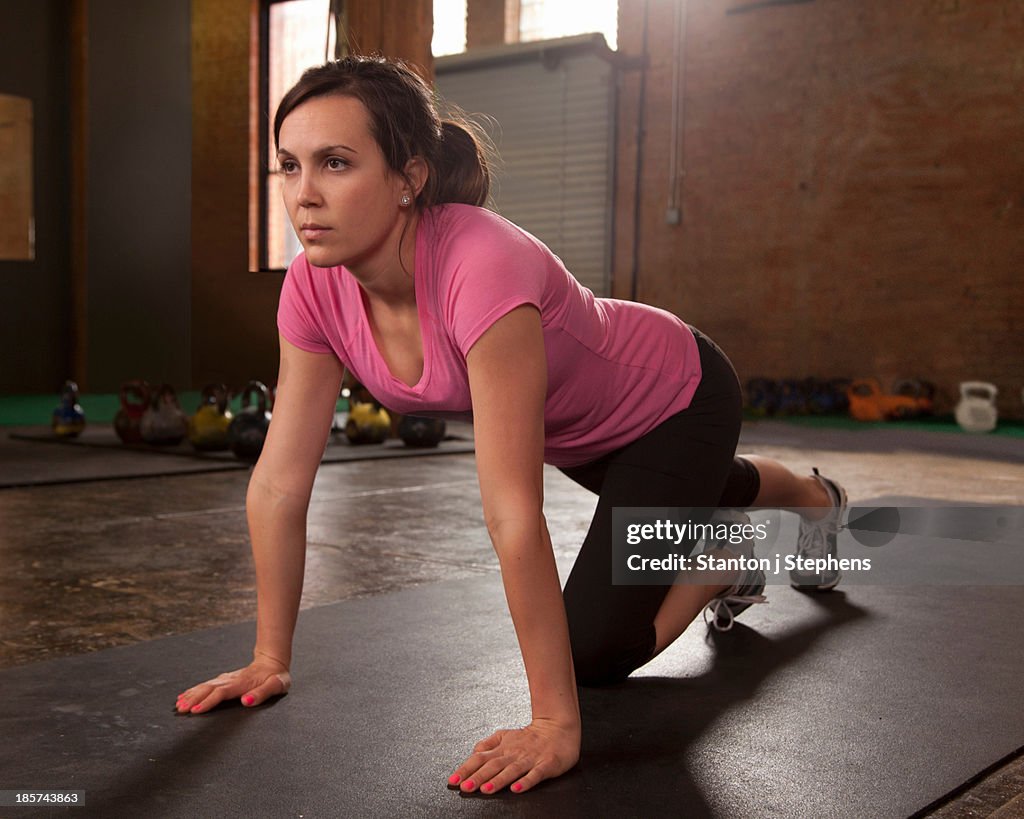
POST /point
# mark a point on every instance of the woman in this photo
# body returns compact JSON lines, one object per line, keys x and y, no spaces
{"x":441,"y":307}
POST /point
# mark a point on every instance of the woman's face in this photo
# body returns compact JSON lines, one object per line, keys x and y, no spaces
{"x":342,"y":198}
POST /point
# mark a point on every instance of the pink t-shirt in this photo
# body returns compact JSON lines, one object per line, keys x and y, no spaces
{"x":616,"y":369}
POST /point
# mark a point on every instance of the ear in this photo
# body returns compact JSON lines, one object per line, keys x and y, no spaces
{"x":416,"y":173}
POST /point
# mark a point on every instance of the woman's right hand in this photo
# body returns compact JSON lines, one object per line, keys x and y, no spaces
{"x":261,"y":679}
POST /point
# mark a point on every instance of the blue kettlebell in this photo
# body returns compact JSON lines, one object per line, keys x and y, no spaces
{"x":69,"y":418}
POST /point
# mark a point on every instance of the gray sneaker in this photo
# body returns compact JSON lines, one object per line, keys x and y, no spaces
{"x":817,"y":540}
{"x":748,"y":589}
{"x":721,"y":612}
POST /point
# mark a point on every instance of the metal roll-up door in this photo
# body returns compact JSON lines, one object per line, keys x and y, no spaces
{"x":552,"y":112}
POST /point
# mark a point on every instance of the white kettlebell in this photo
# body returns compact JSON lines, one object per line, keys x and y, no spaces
{"x":976,"y":411}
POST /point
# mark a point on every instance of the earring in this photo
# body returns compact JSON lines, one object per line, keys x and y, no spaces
{"x":406,"y":201}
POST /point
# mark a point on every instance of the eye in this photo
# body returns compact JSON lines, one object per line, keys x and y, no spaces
{"x":336,"y":163}
{"x":288,"y":166}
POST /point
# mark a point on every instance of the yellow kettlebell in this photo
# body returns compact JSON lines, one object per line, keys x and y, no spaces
{"x":208,"y":428}
{"x":368,"y":423}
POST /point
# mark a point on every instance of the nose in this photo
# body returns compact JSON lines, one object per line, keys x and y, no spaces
{"x":308,"y":193}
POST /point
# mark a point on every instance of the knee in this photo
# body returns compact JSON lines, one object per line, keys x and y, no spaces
{"x":605,"y":659}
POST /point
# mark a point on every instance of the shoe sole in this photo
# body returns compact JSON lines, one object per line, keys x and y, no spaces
{"x":822,"y":587}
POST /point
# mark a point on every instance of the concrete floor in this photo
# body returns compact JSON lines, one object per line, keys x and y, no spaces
{"x":88,"y":566}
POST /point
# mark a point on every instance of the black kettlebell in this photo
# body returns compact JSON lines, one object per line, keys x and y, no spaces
{"x":248,"y":429}
{"x":418,"y":431}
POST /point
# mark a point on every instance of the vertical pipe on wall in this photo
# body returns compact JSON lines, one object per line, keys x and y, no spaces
{"x":673,"y":127}
{"x":638,"y":182}
{"x":79,"y":227}
{"x":677,"y":143}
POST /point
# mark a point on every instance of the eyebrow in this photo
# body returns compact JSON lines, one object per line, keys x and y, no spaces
{"x":327,"y":149}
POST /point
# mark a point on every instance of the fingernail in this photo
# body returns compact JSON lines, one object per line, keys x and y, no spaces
{"x":517,"y":787}
{"x":470,"y":784}
{"x":454,"y":779}
{"x":195,"y":707}
{"x":487,"y":788}
{"x":248,"y":699}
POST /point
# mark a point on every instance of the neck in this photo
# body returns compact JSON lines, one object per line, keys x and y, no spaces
{"x":391,"y":280}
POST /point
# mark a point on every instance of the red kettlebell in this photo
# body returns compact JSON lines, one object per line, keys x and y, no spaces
{"x":134,"y":400}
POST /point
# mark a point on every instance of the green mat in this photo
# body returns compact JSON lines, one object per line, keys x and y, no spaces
{"x":933,"y":423}
{"x":36,"y":410}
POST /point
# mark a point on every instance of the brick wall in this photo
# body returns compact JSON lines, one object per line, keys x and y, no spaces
{"x":852,"y":185}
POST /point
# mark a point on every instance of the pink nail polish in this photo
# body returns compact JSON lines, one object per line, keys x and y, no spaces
{"x":470,"y":784}
{"x":487,"y":787}
{"x":248,"y":700}
{"x":195,"y":708}
{"x":454,"y":779}
{"x":517,"y":787}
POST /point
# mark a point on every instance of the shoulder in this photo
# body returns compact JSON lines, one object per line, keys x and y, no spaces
{"x":467,"y":229}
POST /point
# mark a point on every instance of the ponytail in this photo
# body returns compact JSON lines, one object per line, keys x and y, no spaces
{"x":460,"y":170}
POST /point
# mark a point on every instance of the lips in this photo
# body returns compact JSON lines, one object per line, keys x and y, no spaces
{"x":312,"y":230}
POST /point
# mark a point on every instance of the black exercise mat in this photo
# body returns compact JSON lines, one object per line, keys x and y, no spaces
{"x":872,"y":702}
{"x":98,"y":454}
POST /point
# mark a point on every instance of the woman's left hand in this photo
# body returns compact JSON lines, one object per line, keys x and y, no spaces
{"x":519,"y":758}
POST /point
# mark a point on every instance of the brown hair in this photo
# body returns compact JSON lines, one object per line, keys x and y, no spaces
{"x":405,"y":123}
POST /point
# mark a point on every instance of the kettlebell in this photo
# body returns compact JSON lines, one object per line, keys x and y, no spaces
{"x":164,"y":423}
{"x":762,"y":396}
{"x":416,"y":430}
{"x":208,"y":428}
{"x":134,"y":400}
{"x":792,"y":400}
{"x":69,"y":417}
{"x":838,"y":387}
{"x":977,"y":411}
{"x":368,"y":423}
{"x":248,"y":430}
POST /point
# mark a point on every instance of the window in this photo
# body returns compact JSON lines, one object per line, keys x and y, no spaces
{"x":449,"y":27}
{"x":295,"y":37}
{"x":546,"y":19}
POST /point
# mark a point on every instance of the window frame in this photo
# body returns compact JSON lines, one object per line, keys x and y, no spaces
{"x":264,"y":119}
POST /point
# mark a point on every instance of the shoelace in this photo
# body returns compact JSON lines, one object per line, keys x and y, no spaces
{"x":813,"y":540}
{"x":716,"y":605}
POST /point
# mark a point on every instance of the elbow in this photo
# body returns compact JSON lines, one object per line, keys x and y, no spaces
{"x":270,"y":496}
{"x":512,"y":532}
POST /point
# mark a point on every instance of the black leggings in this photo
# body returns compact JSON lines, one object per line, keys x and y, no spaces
{"x":687,"y":460}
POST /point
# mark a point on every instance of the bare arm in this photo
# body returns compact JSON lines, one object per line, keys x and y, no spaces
{"x":508,"y":381}
{"x":276,"y":506}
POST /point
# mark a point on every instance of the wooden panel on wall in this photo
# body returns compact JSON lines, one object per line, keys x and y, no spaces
{"x":234,"y":333}
{"x":17,"y":240}
{"x":395,"y":28}
{"x":485,"y":22}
